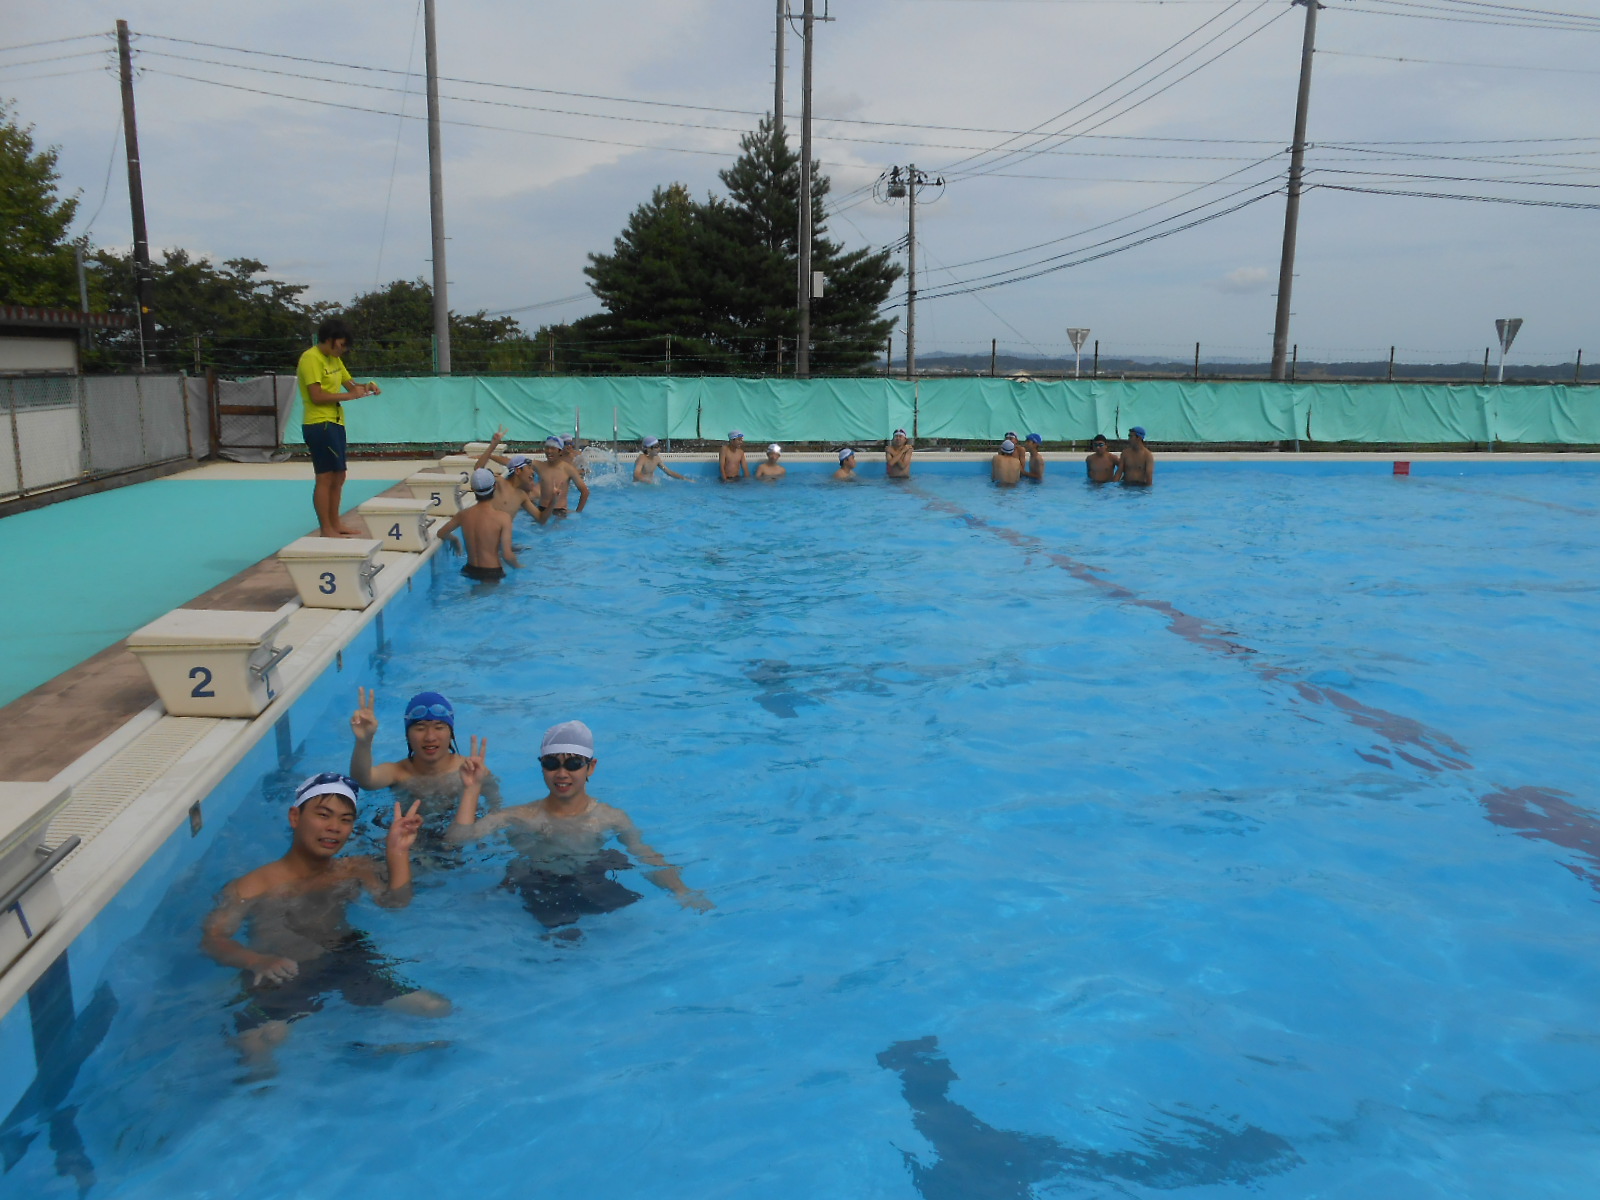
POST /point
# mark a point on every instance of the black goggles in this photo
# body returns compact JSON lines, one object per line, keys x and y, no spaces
{"x":564,"y":762}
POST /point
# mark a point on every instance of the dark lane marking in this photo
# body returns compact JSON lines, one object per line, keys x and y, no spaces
{"x":1455,"y":487}
{"x":976,"y":1161}
{"x":1537,"y":813}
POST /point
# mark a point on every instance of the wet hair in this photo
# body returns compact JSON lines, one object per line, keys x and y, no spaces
{"x":335,"y":329}
{"x":1099,"y":437}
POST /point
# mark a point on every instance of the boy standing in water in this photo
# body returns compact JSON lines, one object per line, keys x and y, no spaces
{"x":649,"y":462}
{"x":897,"y":456}
{"x":730,"y":458}
{"x":772,"y":468}
{"x":563,"y":869}
{"x":556,"y":479}
{"x":1005,"y":468}
{"x":847,"y":464}
{"x":1102,"y":465}
{"x":1138,"y":464}
{"x":302,"y":947}
{"x":487,"y":530}
{"x":431,"y":769}
{"x":1034,"y":470}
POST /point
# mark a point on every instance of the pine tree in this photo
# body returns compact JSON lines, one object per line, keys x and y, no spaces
{"x":720,"y":275}
{"x":36,"y":260}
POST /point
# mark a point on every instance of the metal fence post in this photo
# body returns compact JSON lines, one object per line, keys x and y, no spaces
{"x":16,"y":436}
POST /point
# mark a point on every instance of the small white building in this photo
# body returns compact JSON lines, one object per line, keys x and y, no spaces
{"x":46,"y":341}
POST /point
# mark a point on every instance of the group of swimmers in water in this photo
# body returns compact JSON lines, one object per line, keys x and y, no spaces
{"x":285,"y":925}
{"x":543,"y":488}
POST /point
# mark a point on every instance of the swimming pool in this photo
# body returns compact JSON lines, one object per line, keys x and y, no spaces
{"x":1064,"y":841}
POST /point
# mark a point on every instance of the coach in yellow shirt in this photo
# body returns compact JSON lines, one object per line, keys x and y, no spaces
{"x":325,"y":387}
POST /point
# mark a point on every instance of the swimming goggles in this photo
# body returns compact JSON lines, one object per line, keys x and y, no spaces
{"x":564,"y":762}
{"x":430,"y":712}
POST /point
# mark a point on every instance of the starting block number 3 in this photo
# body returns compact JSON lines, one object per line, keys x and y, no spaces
{"x":329,"y":584}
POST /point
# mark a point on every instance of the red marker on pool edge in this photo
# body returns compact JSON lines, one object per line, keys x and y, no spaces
{"x":1402,"y":468}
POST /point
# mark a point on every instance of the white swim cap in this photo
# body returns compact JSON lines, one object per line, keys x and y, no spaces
{"x":735,"y":436}
{"x":483,"y":481}
{"x":1008,"y":446}
{"x":650,"y":441}
{"x":518,"y":461}
{"x":554,"y":440}
{"x":569,"y":737}
{"x":328,"y":783}
{"x":846,"y":453}
{"x":774,"y":449}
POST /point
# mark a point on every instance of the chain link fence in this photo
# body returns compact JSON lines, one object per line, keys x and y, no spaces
{"x":61,"y":429}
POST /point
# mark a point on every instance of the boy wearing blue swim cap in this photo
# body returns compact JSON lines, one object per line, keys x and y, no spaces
{"x":431,"y":769}
{"x":1138,"y":464}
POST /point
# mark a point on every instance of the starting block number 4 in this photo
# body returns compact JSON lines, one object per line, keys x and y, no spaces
{"x":394,"y":531}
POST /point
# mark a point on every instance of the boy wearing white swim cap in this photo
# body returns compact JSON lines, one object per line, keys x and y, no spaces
{"x":1005,"y":468}
{"x":731,"y":465}
{"x":649,"y":461}
{"x":487,"y":530}
{"x":772,"y":469}
{"x":563,"y":869}
{"x":897,"y":456}
{"x":301,"y":946}
{"x":847,"y":464}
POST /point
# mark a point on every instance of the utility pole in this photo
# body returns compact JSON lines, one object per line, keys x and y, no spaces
{"x":802,"y":349}
{"x":904,"y":184}
{"x":83,"y":294}
{"x":441,"y":286}
{"x":911,"y":274}
{"x":777,"y":73}
{"x":1291,"y":216}
{"x":142,"y":283}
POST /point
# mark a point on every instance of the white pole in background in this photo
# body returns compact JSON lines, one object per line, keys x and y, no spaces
{"x":441,"y":288}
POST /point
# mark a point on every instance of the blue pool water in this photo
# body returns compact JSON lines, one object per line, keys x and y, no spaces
{"x":1233,"y":837}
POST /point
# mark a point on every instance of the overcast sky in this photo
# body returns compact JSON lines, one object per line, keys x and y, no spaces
{"x":306,"y":187}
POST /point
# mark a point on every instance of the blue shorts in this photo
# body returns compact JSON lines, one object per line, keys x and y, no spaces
{"x":325,"y":440}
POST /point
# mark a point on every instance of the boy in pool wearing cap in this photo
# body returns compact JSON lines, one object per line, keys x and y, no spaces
{"x":513,"y":493}
{"x":1005,"y":468}
{"x":1138,"y":464}
{"x":649,"y":462}
{"x":487,"y":530}
{"x":772,"y":470}
{"x":301,"y":945}
{"x":1034,"y":469}
{"x":431,"y":769}
{"x":847,"y":464}
{"x":730,"y":458}
{"x":1102,"y":465}
{"x":557,"y":478}
{"x":563,"y":869}
{"x":897,"y":456}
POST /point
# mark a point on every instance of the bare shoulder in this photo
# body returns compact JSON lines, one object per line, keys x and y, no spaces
{"x":610,"y":815}
{"x":256,"y":883}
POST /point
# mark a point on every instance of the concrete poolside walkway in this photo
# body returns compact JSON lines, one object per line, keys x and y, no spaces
{"x":85,"y":573}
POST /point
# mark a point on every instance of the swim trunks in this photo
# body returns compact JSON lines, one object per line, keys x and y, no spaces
{"x":483,"y":574}
{"x":558,"y":899}
{"x":326,"y":442}
{"x":353,"y":968}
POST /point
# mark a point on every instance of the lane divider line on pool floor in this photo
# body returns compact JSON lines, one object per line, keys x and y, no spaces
{"x":1532,"y":812}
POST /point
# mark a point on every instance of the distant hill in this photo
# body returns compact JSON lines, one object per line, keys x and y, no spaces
{"x":1143,"y":367}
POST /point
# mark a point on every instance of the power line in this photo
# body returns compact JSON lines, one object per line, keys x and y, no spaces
{"x":1447,"y":16}
{"x":394,"y":159}
{"x":1447,"y":62}
{"x":80,"y":37}
{"x":1114,"y":250}
{"x":58,"y":74}
{"x":1339,"y":187}
{"x":111,"y":161}
{"x":32,"y":62}
{"x":506,"y":312}
{"x":1163,"y":52}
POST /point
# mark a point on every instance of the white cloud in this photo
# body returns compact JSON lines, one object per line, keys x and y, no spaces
{"x":303,"y":186}
{"x":1244,"y":280}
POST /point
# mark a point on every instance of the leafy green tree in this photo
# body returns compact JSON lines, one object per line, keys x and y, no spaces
{"x":394,"y":334}
{"x":719,"y":277}
{"x":36,"y":260}
{"x":247,"y":324}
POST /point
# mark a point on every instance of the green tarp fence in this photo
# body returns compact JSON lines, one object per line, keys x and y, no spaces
{"x":434,"y":411}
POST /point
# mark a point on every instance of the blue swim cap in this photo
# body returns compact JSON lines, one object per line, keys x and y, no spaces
{"x":430,"y":706}
{"x":1036,"y":439}
{"x":1138,"y":430}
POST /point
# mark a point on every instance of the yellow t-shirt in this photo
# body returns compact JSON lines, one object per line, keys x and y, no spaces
{"x":317,"y":367}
